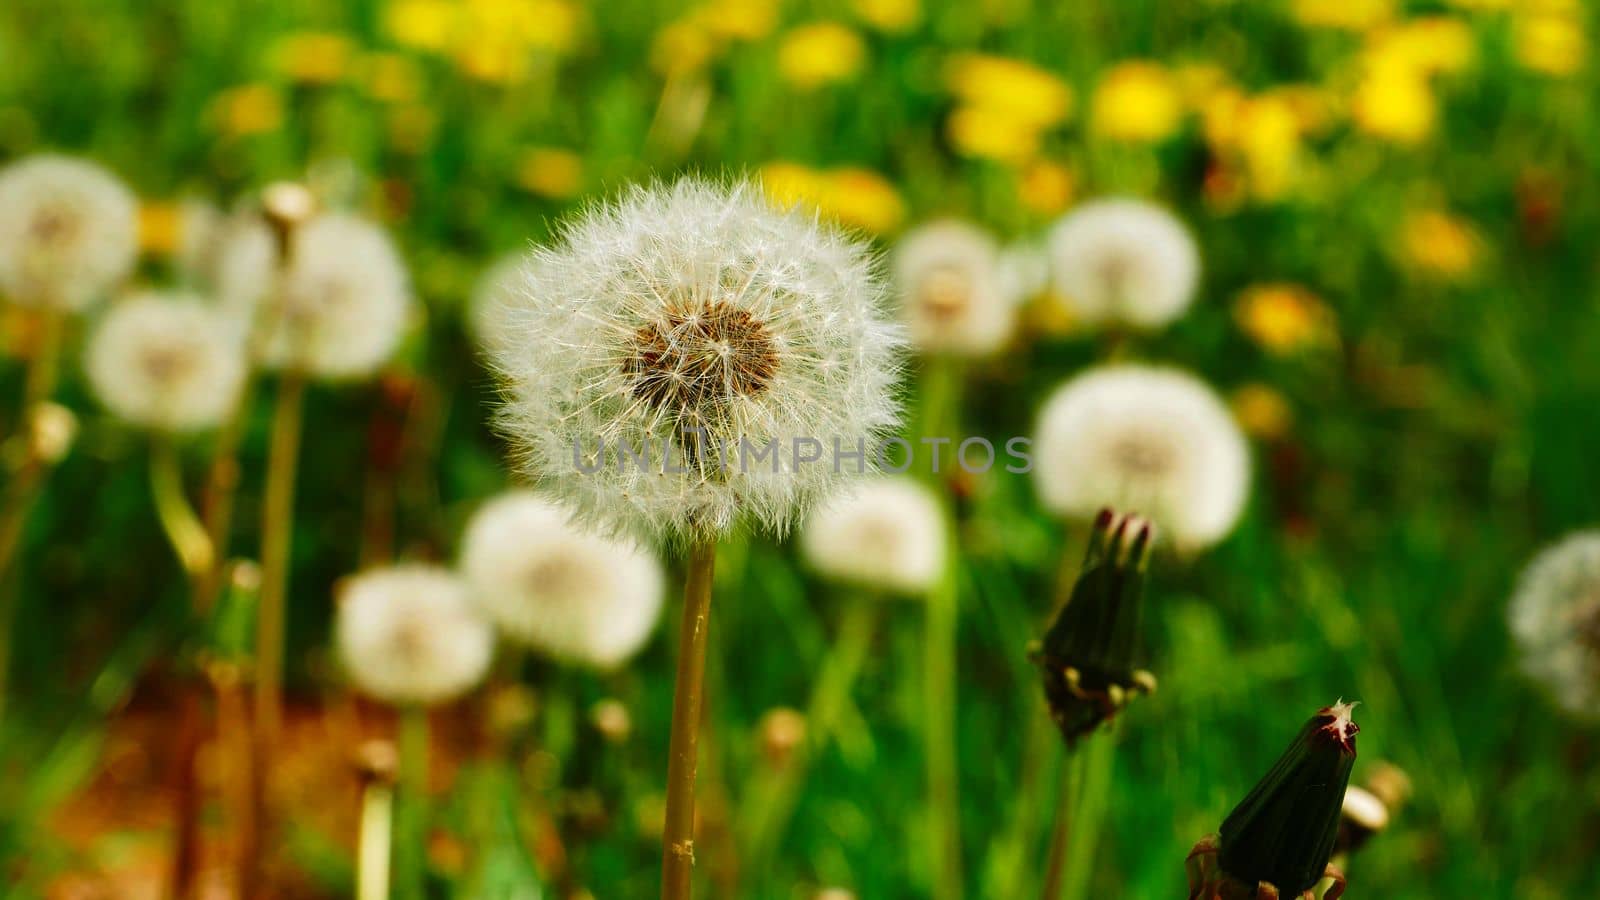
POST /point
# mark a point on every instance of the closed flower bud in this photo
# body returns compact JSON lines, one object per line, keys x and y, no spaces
{"x":1087,"y":656}
{"x":1277,"y":842}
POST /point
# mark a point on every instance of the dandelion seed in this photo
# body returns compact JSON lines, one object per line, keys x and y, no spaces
{"x":887,"y":533}
{"x":1555,"y":621}
{"x":409,"y":635}
{"x":694,"y":316}
{"x":956,"y":293}
{"x":169,"y":362}
{"x":69,"y":231}
{"x":1124,"y":261}
{"x":340,"y":309}
{"x":559,"y":588}
{"x":1139,"y":437}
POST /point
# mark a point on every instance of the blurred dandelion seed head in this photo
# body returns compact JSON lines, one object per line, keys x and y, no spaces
{"x":558,"y":588}
{"x":956,"y":293}
{"x":1555,"y":620}
{"x":1124,"y":261}
{"x":694,"y":308}
{"x":886,"y":533}
{"x":1140,"y":437}
{"x":409,"y":635}
{"x":339,"y":311}
{"x":166,"y":361}
{"x":69,"y":231}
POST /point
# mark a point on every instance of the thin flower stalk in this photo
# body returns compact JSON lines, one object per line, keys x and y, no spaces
{"x":677,"y":860}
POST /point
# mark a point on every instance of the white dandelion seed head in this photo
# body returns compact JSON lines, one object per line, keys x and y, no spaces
{"x":887,"y":533}
{"x":339,"y":311}
{"x":1155,"y":440}
{"x":499,"y":285}
{"x":69,"y":232}
{"x":167,"y":361}
{"x":956,"y":294}
{"x":1555,"y":620}
{"x":1125,"y":261}
{"x":695,"y":305}
{"x":408,"y":634}
{"x":558,"y":587}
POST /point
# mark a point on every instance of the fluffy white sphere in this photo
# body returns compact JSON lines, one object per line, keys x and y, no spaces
{"x":69,"y":231}
{"x":695,"y":305}
{"x":1555,"y":619}
{"x":956,"y":294}
{"x":1124,"y":261}
{"x":557,"y":587}
{"x":343,"y":305}
{"x":885,"y":532}
{"x":1155,"y":441}
{"x":166,"y":361}
{"x":408,"y":634}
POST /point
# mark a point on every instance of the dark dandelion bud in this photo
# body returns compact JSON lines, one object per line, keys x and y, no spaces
{"x":1277,"y":842}
{"x":1087,"y":655}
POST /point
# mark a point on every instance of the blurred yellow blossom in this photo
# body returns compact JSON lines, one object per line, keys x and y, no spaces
{"x":820,"y":53}
{"x":551,"y":172}
{"x":1283,"y":318}
{"x":986,"y":134}
{"x":1551,"y":43}
{"x":1017,"y":90}
{"x":391,"y":77}
{"x":160,"y":227}
{"x":1440,"y":244}
{"x":1259,"y":138}
{"x":1198,"y":82}
{"x":682,"y":47}
{"x":553,"y":26}
{"x":1045,"y":187}
{"x":1350,"y":15}
{"x":738,"y":20}
{"x":313,"y":57}
{"x":851,"y":196}
{"x":1432,"y":44}
{"x":1394,"y":101}
{"x":422,"y":24}
{"x":1136,"y":100}
{"x":1262,"y":411}
{"x":892,"y":16}
{"x":1483,"y":5}
{"x":495,"y":61}
{"x":1314,"y":108}
{"x":247,"y":109}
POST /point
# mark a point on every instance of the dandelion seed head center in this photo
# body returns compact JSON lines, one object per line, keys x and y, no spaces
{"x":1143,"y":455}
{"x":557,"y":576}
{"x":55,"y":225}
{"x":946,"y":291}
{"x":166,"y":365}
{"x":700,"y":355}
{"x":1587,"y":625}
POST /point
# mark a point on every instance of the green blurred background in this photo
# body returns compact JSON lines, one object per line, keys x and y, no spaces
{"x":1397,"y":208}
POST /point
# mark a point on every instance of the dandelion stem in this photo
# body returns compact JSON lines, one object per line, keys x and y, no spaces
{"x":411,"y":868}
{"x":179,"y":521}
{"x":677,"y":858}
{"x":1099,"y":759}
{"x":222,"y":485}
{"x":372,"y":852}
{"x":1056,"y":858}
{"x":773,"y":804}
{"x":277,"y":531}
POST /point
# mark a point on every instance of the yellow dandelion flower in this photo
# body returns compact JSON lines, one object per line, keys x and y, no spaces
{"x":1432,"y":44}
{"x":1394,"y":102}
{"x":1314,"y":108}
{"x":429,"y":25}
{"x":247,"y":109}
{"x":1136,"y":100}
{"x":790,"y":184}
{"x":1482,"y":5}
{"x":1347,"y":15}
{"x":1439,"y":244}
{"x":738,"y":20}
{"x":313,"y":57}
{"x":889,"y":16}
{"x":1260,"y":141}
{"x":821,"y":53}
{"x":494,"y":60}
{"x":551,"y":172}
{"x":983,"y":133}
{"x":1199,"y":82}
{"x":1011,"y":88}
{"x":864,"y":199}
{"x":1551,"y":44}
{"x":1262,"y":411}
{"x":391,"y":77}
{"x":1283,"y":318}
{"x":681,"y":48}
{"x":1045,"y":187}
{"x":160,"y":228}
